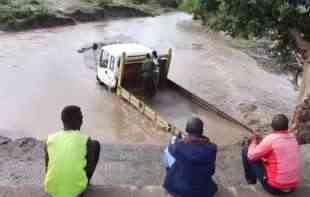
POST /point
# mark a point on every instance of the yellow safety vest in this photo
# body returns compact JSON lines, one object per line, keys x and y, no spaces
{"x":66,"y":175}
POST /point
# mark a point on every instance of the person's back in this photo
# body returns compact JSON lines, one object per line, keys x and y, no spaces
{"x":282,"y":162}
{"x":67,"y":160}
{"x":191,"y":174}
{"x":274,"y":161}
{"x":70,"y":157}
{"x":148,"y":67}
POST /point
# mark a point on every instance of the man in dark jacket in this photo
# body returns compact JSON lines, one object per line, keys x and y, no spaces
{"x":148,"y":68}
{"x":190,"y":163}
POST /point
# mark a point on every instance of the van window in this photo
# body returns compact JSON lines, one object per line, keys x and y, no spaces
{"x":112,"y":63}
{"x":104,"y":59}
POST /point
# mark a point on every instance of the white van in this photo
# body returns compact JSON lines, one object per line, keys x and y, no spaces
{"x":110,"y":58}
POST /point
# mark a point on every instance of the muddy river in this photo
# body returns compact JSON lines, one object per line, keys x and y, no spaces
{"x":41,"y":72}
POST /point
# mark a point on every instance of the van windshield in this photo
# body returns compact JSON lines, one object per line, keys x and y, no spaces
{"x":104,"y":59}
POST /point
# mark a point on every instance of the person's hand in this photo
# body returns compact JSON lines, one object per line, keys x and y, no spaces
{"x":246,"y":141}
{"x":180,"y":135}
{"x":256,"y":137}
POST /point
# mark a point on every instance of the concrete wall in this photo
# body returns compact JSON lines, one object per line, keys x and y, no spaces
{"x":148,"y":191}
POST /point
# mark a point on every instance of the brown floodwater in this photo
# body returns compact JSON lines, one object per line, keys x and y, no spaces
{"x":41,"y":72}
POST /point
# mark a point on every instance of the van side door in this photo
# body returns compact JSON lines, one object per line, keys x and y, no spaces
{"x":102,"y":69}
{"x":112,"y":71}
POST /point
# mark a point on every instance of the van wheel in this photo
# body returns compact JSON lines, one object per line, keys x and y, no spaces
{"x":112,"y":90}
{"x":98,"y":80}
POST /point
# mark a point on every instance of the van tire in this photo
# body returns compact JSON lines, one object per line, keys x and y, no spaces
{"x":99,"y":81}
{"x":112,"y":90}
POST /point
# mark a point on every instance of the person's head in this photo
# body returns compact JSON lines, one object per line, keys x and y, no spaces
{"x":72,"y":117}
{"x":280,"y":122}
{"x":194,"y":126}
{"x":148,"y":56}
{"x":154,"y":53}
{"x":95,"y":46}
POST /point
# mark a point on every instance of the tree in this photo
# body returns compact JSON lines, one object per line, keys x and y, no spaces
{"x":287,"y":22}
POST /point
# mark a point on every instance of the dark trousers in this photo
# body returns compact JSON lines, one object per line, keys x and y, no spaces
{"x":149,"y":88}
{"x":256,"y":171}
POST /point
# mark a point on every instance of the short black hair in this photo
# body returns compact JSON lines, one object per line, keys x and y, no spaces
{"x":148,"y":56}
{"x":154,"y":53}
{"x":280,"y":122}
{"x":72,"y":117}
{"x":194,"y":126}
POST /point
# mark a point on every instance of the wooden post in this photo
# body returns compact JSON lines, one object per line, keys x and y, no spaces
{"x":168,"y":62}
{"x":121,"y":73}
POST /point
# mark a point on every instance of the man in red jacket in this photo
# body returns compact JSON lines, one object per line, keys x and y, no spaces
{"x":275,"y":160}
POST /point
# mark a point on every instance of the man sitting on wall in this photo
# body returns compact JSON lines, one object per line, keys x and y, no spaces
{"x":71,"y":157}
{"x":275,"y":160}
{"x":190,"y":163}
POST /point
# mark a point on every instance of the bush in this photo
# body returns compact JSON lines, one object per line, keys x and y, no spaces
{"x":168,"y":3}
{"x":140,"y":1}
{"x":102,"y":3}
{"x":13,"y":10}
{"x":189,"y":5}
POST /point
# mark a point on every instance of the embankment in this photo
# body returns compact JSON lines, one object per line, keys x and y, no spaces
{"x":22,"y":163}
{"x":21,"y":15}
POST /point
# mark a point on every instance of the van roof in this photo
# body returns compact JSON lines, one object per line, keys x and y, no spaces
{"x":131,"y":49}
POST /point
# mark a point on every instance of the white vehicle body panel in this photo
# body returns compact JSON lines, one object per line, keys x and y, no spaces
{"x":110,"y":58}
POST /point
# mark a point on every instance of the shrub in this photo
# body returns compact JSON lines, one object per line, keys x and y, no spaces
{"x":103,"y":3}
{"x":140,"y":1}
{"x":13,"y":10}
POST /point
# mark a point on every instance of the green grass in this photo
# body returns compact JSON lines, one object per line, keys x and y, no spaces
{"x":189,"y":5}
{"x":13,"y":10}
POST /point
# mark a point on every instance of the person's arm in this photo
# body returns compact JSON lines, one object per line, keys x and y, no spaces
{"x":143,"y":67}
{"x":92,"y":156}
{"x":46,"y":157}
{"x":168,"y":159}
{"x":258,"y":150}
{"x":213,"y":165}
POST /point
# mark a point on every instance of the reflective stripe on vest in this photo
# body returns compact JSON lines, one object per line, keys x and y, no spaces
{"x":66,"y":175}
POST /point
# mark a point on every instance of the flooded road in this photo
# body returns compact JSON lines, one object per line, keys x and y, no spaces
{"x":41,"y":72}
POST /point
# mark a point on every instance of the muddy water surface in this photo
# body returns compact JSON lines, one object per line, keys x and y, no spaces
{"x":41,"y":72}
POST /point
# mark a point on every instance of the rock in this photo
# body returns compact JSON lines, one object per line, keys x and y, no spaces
{"x":252,"y":122}
{"x":27,"y":149}
{"x":26,"y":143}
{"x":246,"y":108}
{"x":4,"y":140}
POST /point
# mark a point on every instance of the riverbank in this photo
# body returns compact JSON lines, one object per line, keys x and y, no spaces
{"x":22,"y":163}
{"x":18,"y":15}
